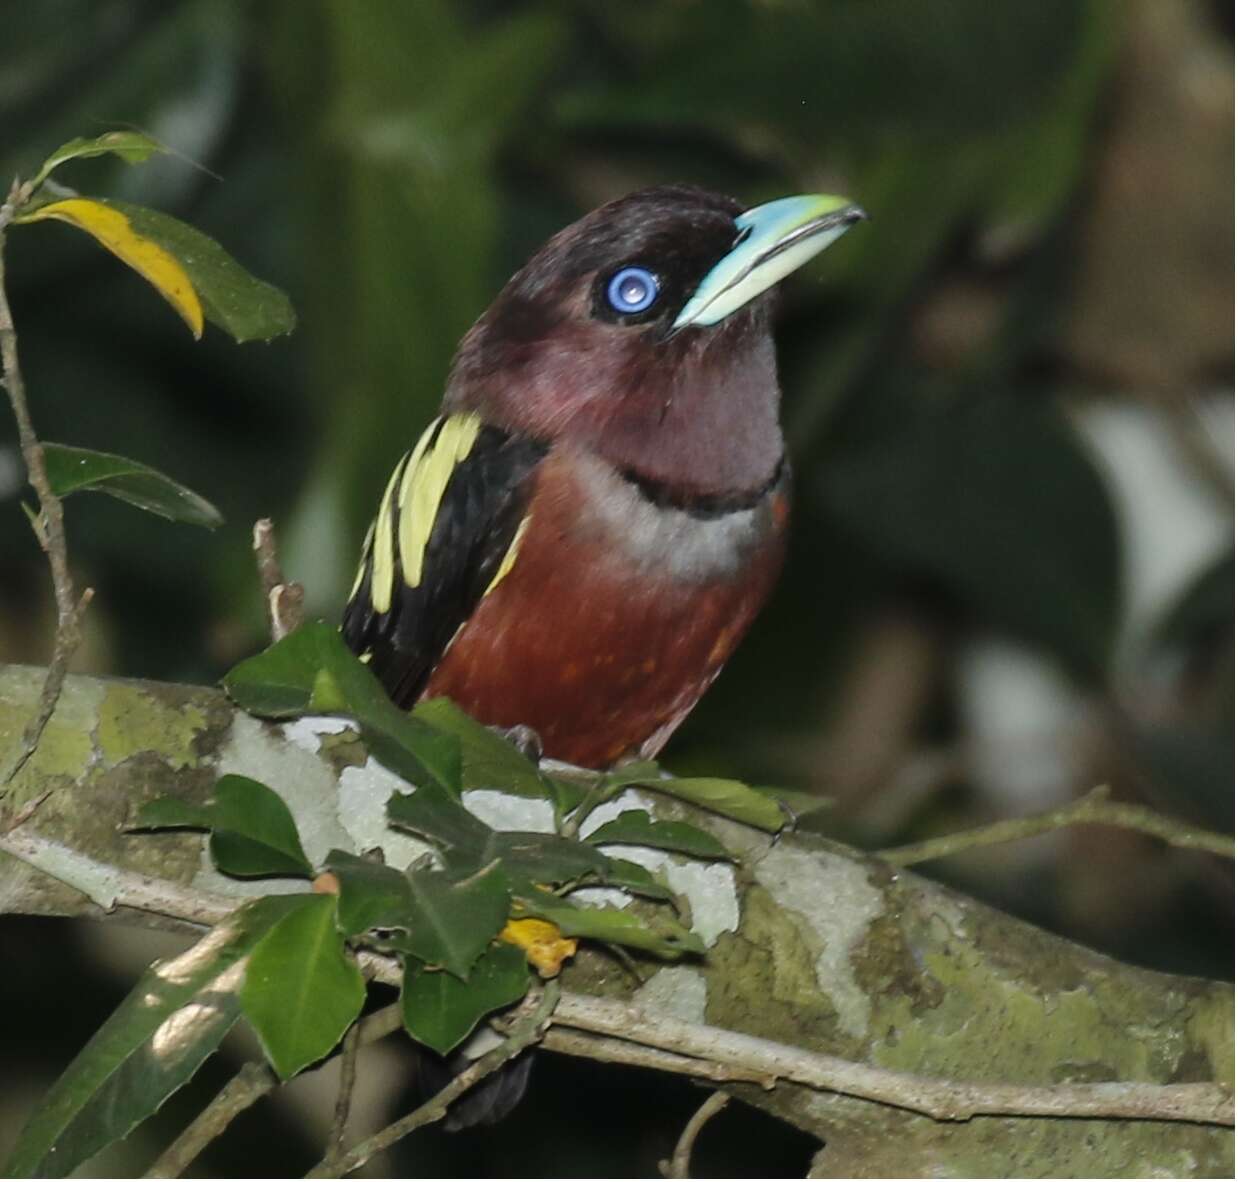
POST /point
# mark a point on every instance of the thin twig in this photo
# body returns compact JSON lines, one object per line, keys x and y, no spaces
{"x":343,"y":1101}
{"x":525,"y":1031}
{"x":680,"y":1165}
{"x":51,"y":533}
{"x":246,"y":1088}
{"x":942,"y":1099}
{"x":1093,"y":809}
{"x":285,"y":601}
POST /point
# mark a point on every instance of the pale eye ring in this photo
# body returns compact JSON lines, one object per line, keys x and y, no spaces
{"x":632,"y":290}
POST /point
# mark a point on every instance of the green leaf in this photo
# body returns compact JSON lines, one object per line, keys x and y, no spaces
{"x":168,"y":812}
{"x":371,"y":895}
{"x":797,"y":804}
{"x":301,"y":990}
{"x":453,"y":920}
{"x":131,"y":146}
{"x":565,"y":792}
{"x":253,"y":834}
{"x":279,"y":681}
{"x":441,"y":1011}
{"x":151,"y":1045}
{"x":437,"y":816}
{"x":545,"y":857}
{"x":243,"y":306}
{"x":114,"y":231}
{"x":661,"y":936}
{"x":634,"y":878}
{"x":77,"y":469}
{"x":728,"y":797}
{"x":312,"y":669}
{"x":489,"y":760}
{"x":641,"y":771}
{"x":634,"y":827}
{"x":468,"y":844}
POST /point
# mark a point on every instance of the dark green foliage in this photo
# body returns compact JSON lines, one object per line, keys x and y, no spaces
{"x":125,"y":1072}
{"x":253,"y":834}
{"x":301,"y":990}
{"x":441,"y":1011}
{"x":75,"y":469}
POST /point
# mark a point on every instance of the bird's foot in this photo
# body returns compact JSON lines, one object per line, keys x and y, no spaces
{"x":524,"y":738}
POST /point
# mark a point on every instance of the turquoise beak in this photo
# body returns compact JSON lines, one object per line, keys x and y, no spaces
{"x":774,"y":239}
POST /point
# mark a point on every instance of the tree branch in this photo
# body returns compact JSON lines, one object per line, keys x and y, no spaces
{"x":871,"y":992}
{"x":285,"y":601}
{"x":614,"y":1050}
{"x":49,"y":526}
{"x":243,"y":1090}
{"x":681,"y":1162}
{"x":942,"y":1099}
{"x":1093,"y":809}
{"x":525,"y":1031}
{"x":715,"y":1047}
{"x":343,"y":1099}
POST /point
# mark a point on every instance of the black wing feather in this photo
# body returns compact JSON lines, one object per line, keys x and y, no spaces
{"x":480,"y":511}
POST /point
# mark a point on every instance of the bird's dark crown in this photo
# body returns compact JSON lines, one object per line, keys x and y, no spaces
{"x":550,"y":359}
{"x":678,"y":232}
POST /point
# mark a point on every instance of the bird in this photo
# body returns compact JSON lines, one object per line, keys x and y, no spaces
{"x":579,"y":541}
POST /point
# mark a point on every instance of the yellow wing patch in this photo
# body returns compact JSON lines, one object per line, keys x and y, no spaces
{"x":509,"y":559}
{"x":383,"y":567}
{"x":421,"y":478}
{"x":417,"y":487}
{"x":425,"y":481}
{"x":365,"y":554}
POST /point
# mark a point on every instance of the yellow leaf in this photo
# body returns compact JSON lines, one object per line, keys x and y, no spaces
{"x":113,"y":230}
{"x":545,"y":947}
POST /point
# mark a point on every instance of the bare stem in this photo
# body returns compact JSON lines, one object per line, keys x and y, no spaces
{"x":285,"y":601}
{"x":525,"y":1031}
{"x":1093,"y":809}
{"x":680,"y":1165}
{"x":51,"y":533}
{"x":246,"y":1088}
{"x":343,"y":1101}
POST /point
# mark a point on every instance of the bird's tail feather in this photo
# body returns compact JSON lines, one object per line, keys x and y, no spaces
{"x":487,"y":1102}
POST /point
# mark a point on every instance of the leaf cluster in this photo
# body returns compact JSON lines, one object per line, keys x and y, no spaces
{"x":468,"y":924}
{"x":192,"y":272}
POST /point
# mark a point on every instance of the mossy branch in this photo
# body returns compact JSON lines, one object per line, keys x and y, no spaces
{"x":815,"y":950}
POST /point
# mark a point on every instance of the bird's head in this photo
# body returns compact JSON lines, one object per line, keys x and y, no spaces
{"x":641,"y":332}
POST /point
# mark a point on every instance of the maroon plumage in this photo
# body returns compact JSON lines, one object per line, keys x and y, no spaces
{"x":581,"y":541}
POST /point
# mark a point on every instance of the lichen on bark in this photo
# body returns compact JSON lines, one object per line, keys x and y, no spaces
{"x":834,"y":950}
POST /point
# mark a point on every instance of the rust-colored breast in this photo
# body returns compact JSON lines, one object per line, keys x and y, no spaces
{"x":593,"y":643}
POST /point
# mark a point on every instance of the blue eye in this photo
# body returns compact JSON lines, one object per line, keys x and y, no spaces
{"x":632,"y":289}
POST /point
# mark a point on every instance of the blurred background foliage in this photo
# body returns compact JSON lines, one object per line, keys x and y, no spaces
{"x":1009,"y":396}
